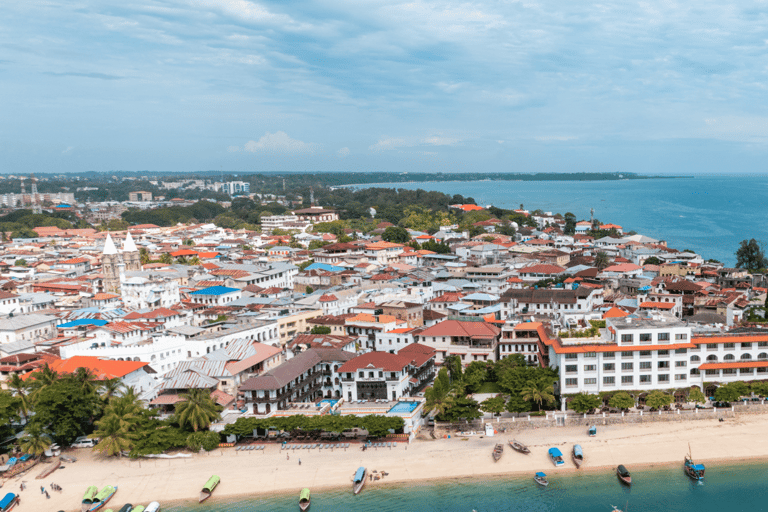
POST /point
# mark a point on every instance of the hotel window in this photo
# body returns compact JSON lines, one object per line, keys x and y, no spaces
{"x":645,"y":353}
{"x":730,"y":346}
{"x":645,"y":379}
{"x":645,"y":365}
{"x":590,"y":354}
{"x":663,"y":336}
{"x":762,"y":343}
{"x":663,"y":353}
{"x":712,"y":372}
{"x":571,"y":383}
{"x":663,"y":378}
{"x":590,"y":367}
{"x":711,"y":346}
{"x":627,"y":380}
{"x":609,"y":355}
{"x":609,"y":367}
{"x":590,"y":382}
{"x":746,"y":345}
{"x":645,"y":337}
{"x":680,"y":376}
{"x":680,"y":364}
{"x":626,"y":366}
{"x":609,"y":380}
{"x":681,"y":351}
{"x":681,"y":336}
{"x":571,"y":368}
{"x":626,"y":338}
{"x":729,"y":371}
{"x":627,"y":355}
{"x":571,"y":356}
{"x":663,"y":364}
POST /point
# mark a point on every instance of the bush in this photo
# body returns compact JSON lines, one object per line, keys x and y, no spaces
{"x":206,"y":440}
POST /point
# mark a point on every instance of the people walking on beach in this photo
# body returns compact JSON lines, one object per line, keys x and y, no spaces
{"x":287,"y":457}
{"x":48,"y":496}
{"x":42,"y":490}
{"x":299,"y":462}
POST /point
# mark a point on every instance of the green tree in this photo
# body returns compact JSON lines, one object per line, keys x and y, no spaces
{"x":539,"y":391}
{"x":197,"y":410}
{"x":320,"y":329}
{"x":110,"y":388}
{"x":21,"y":389}
{"x":475,"y":375}
{"x":35,"y":441}
{"x":494,"y":405}
{"x":205,"y":440}
{"x":696,"y":395}
{"x":166,"y":258}
{"x":570,"y":224}
{"x":463,"y":408}
{"x":601,"y":260}
{"x":20,"y":263}
{"x":87,"y":380}
{"x":731,"y":392}
{"x":657,"y":399}
{"x":453,"y":364}
{"x":117,"y":429}
{"x":396,"y":234}
{"x":584,"y":402}
{"x":308,"y":290}
{"x":304,"y":264}
{"x":653,"y":260}
{"x":63,"y":410}
{"x":621,"y":400}
{"x":438,"y":397}
{"x":144,"y":256}
{"x":750,"y":255}
{"x":10,"y":406}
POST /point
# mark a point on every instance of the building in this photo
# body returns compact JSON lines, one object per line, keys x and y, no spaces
{"x":114,"y":263}
{"x":140,"y":196}
{"x":470,"y":340}
{"x":215,"y":295}
{"x":235,"y":188}
{"x":523,"y":339}
{"x":30,"y":328}
{"x":385,"y":376}
{"x":316,"y":214}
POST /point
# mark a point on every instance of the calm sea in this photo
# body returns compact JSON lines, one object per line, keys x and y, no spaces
{"x":667,"y":489}
{"x":707,"y":214}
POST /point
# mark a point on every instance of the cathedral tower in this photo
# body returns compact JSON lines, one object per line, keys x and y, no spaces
{"x":110,"y":260}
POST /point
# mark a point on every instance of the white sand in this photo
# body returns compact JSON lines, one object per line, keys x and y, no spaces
{"x":268,"y":471}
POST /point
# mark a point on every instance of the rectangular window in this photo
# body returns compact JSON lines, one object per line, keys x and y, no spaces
{"x":645,"y":365}
{"x":680,"y":336}
{"x":680,"y":364}
{"x":571,"y":356}
{"x":663,"y":336}
{"x":645,"y":353}
{"x":626,"y":380}
{"x":730,"y":346}
{"x":729,"y":371}
{"x":712,"y":346}
{"x":712,"y":372}
{"x":663,"y":378}
{"x":663,"y":364}
{"x":609,"y":355}
{"x":609,"y":380}
{"x":609,"y":367}
{"x":590,"y":382}
{"x":626,"y":338}
{"x":746,"y":345}
{"x":680,"y":376}
{"x":681,"y":351}
{"x":627,"y":355}
{"x":571,"y":383}
{"x":590,"y":367}
{"x":626,"y":367}
{"x":762,"y":343}
{"x":571,"y":368}
{"x":663,"y":353}
{"x":645,"y":379}
{"x":645,"y":337}
{"x":590,"y":354}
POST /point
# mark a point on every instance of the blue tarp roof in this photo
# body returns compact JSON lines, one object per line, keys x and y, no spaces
{"x":540,"y":474}
{"x":698,"y":467}
{"x":577,"y":450}
{"x":84,"y":321}
{"x":7,"y":500}
{"x":555,"y":452}
{"x":359,"y":474}
{"x":324,"y":266}
{"x":215,"y":290}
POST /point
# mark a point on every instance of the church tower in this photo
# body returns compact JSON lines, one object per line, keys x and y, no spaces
{"x":110,"y":260}
{"x":131,"y":256}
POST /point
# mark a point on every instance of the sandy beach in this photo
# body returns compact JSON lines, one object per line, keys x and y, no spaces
{"x":271,"y":471}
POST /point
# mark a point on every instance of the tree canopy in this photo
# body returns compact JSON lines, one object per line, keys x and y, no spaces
{"x":750,"y":255}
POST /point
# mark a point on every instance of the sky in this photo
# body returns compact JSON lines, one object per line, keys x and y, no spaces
{"x":373,"y":86}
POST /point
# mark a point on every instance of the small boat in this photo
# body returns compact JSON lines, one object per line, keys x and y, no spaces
{"x":9,"y":501}
{"x":623,"y":475}
{"x":557,"y":457}
{"x":359,"y":480}
{"x":152,"y":507}
{"x":126,"y":508}
{"x":541,"y":479}
{"x":102,"y":497}
{"x":498,"y":451}
{"x":519,"y":447}
{"x":693,"y":470}
{"x":139,"y":508}
{"x":304,"y":499}
{"x":617,"y":509}
{"x":592,"y":431}
{"x":208,"y":488}
{"x":577,"y":455}
{"x":90,"y":493}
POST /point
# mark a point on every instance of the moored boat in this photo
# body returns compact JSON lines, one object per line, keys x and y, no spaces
{"x":304,"y":499}
{"x":208,"y":488}
{"x":9,"y":501}
{"x":557,"y":457}
{"x":577,"y":455}
{"x":139,"y":508}
{"x":541,"y":479}
{"x":592,"y":431}
{"x":519,"y":447}
{"x":498,"y":451}
{"x":126,"y":508}
{"x":623,"y":475}
{"x":152,"y":507}
{"x":102,"y":497}
{"x":358,"y":481}
{"x":693,"y":470}
{"x":90,"y":493}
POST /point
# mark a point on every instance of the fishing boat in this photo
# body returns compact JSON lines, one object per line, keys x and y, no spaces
{"x":693,"y":470}
{"x":541,"y":479}
{"x":519,"y":447}
{"x":90,"y":493}
{"x":577,"y":455}
{"x":557,"y":457}
{"x":9,"y":501}
{"x":139,"y":508}
{"x":304,"y":499}
{"x":592,"y":431}
{"x":126,"y":508}
{"x":103,"y":497}
{"x":359,"y":480}
{"x":498,"y":451}
{"x":623,"y":475}
{"x":152,"y":507}
{"x":208,"y":488}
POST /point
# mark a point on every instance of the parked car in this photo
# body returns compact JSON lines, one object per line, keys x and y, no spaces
{"x":84,"y":442}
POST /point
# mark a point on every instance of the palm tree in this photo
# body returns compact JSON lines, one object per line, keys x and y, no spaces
{"x":601,"y":260}
{"x":110,"y":388}
{"x":87,"y":380}
{"x":35,"y":442}
{"x":166,"y":258}
{"x":539,"y":391}
{"x":197,"y":410}
{"x":117,"y":429}
{"x":144,"y":256}
{"x":194,"y":260}
{"x":21,"y":388}
{"x":43,"y":377}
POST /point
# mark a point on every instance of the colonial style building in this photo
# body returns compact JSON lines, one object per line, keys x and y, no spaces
{"x":471,"y":341}
{"x":113,"y":263}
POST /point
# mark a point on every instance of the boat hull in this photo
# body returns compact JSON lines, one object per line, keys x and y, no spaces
{"x":358,"y":485}
{"x":541,"y":482}
{"x":519,"y":447}
{"x":692,"y":473}
{"x":577,"y":461}
{"x":100,"y":504}
{"x":304,"y":505}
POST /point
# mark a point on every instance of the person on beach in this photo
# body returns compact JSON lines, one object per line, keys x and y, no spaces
{"x":287,"y":457}
{"x":42,"y":490}
{"x":299,"y":462}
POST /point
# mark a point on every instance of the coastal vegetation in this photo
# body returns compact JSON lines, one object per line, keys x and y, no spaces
{"x":377,"y":426}
{"x":751,"y":256}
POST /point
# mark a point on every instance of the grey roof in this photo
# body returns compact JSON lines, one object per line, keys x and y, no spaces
{"x":186,"y":330}
{"x":293,"y":368}
{"x":24,"y":321}
{"x":532,"y":295}
{"x":707,"y":318}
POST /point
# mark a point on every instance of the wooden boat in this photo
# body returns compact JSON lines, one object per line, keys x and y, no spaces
{"x":623,"y":475}
{"x":519,"y":447}
{"x":90,"y":493}
{"x":577,"y":455}
{"x":541,"y":479}
{"x":139,"y":508}
{"x":304,"y":499}
{"x":592,"y":431}
{"x":126,"y":508}
{"x":557,"y":457}
{"x":208,"y":488}
{"x":693,"y":470}
{"x":359,"y":480}
{"x":102,"y":497}
{"x":9,"y":501}
{"x":152,"y":507}
{"x":498,"y":451}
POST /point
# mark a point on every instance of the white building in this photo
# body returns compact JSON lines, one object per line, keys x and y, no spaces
{"x":143,"y":293}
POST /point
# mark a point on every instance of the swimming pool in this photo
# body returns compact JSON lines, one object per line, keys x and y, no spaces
{"x":403,"y":407}
{"x":330,"y":401}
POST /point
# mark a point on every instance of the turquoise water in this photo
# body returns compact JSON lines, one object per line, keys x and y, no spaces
{"x":404,"y":407}
{"x":707,"y":214}
{"x":727,"y":488}
{"x":327,"y":401}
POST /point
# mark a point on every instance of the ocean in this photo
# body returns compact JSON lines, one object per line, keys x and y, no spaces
{"x":726,"y":488}
{"x":707,"y":214}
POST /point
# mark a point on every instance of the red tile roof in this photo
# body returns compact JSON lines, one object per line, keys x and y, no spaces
{"x":658,"y":305}
{"x":101,"y":368}
{"x":463,"y":329}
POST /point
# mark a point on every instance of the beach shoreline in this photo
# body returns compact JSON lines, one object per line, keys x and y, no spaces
{"x":272,"y":472}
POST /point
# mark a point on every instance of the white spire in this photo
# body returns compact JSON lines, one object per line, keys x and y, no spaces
{"x":128,"y":245}
{"x":109,"y":246}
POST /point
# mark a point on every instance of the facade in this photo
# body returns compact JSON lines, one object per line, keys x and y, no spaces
{"x":139,"y":196}
{"x":215,"y":295}
{"x":114,"y":263}
{"x":144,"y":293}
{"x":471,"y":341}
{"x":31,"y":327}
{"x":316,"y":214}
{"x":523,"y":339}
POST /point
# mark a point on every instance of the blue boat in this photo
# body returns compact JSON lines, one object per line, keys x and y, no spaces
{"x":592,"y":431}
{"x":8,"y":502}
{"x":693,"y":470}
{"x":557,"y":457}
{"x":541,"y":479}
{"x":577,"y":455}
{"x":359,"y":480}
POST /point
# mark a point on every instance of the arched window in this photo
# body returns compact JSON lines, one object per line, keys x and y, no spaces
{"x":695,"y":359}
{"x":729,"y":357}
{"x":712,"y":358}
{"x":694,"y":371}
{"x":762,"y":356}
{"x":746,"y":356}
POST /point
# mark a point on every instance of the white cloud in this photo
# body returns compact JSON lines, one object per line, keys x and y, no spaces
{"x":279,"y":142}
{"x":736,"y":128}
{"x":343,"y":152}
{"x":409,"y":142}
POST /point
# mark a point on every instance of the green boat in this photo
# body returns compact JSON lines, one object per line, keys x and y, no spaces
{"x":208,"y":488}
{"x":90,"y":493}
{"x":304,"y":499}
{"x":102,"y":497}
{"x":139,"y":508}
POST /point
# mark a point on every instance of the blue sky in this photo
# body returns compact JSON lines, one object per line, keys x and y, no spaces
{"x":239,"y":85}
